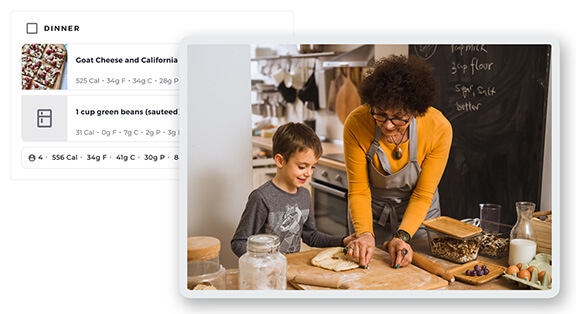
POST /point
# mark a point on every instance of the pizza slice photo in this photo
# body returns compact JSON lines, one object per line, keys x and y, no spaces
{"x":43,"y":66}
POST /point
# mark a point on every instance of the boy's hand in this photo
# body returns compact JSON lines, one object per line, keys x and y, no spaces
{"x":348,"y":239}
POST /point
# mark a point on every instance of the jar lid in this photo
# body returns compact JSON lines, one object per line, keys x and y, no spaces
{"x":451,"y":226}
{"x":263,"y":243}
{"x":202,"y":248}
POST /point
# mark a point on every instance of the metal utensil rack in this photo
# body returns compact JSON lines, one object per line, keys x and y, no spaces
{"x":296,"y":56}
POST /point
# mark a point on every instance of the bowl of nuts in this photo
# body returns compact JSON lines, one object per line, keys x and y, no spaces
{"x":453,"y":240}
{"x":495,"y":241}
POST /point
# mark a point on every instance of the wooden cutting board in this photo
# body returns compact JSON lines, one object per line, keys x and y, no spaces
{"x":347,"y":99}
{"x":380,"y":275}
{"x":459,"y":272}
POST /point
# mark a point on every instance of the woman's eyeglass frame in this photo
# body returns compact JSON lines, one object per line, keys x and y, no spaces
{"x":395,"y":121}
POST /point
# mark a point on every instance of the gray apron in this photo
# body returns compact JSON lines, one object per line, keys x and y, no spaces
{"x":391,"y":191}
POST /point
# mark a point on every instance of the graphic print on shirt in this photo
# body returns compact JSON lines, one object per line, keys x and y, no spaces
{"x":288,"y":225}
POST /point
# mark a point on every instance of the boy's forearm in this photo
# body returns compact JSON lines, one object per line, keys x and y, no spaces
{"x":238,"y":246}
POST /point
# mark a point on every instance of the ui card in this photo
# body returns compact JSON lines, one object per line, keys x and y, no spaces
{"x":499,"y":98}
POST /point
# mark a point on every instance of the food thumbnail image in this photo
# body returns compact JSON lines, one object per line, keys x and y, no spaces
{"x":43,"y":66}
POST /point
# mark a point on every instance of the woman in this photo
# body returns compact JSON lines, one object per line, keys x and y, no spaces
{"x":396,"y":147}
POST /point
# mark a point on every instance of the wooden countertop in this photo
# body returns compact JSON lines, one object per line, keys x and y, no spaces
{"x":328,"y":148}
{"x":421,"y":246}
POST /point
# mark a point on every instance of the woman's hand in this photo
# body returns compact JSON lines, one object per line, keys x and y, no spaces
{"x":397,"y":256}
{"x":348,"y":239}
{"x":361,"y":248}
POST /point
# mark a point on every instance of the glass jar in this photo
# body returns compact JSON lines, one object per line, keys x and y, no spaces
{"x":262,"y":267}
{"x":456,"y":249}
{"x":204,"y":269}
{"x":522,"y":235}
{"x":495,"y":243}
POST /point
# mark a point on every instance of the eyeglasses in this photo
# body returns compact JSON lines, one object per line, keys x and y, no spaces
{"x":383,"y":118}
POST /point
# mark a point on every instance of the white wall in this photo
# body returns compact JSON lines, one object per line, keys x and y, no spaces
{"x":381,"y":51}
{"x":218,"y":146}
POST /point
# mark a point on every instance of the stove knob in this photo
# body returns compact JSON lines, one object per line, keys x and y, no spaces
{"x":324,"y":173}
{"x":338,"y":178}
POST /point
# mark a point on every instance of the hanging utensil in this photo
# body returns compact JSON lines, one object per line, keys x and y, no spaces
{"x":267,"y":108}
{"x":309,"y":92}
{"x":347,"y":99}
{"x":288,"y":93}
{"x":297,"y":76}
{"x":256,"y":109}
{"x":335,"y":84}
{"x":280,"y":110}
{"x":288,"y":74}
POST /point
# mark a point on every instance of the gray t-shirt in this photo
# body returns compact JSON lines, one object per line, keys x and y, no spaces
{"x":288,"y":215}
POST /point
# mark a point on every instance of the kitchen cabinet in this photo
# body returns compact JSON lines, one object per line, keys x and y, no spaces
{"x":263,"y":170}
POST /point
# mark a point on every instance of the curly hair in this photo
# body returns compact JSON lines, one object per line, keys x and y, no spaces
{"x":400,"y":83}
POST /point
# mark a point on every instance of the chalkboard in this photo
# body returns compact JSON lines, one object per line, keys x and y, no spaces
{"x":495,"y":96}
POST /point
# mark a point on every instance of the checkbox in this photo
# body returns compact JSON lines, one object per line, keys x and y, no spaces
{"x":31,"y":28}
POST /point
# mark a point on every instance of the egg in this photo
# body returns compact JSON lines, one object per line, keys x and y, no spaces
{"x":519,"y":265}
{"x":533,"y":267}
{"x":542,"y":274}
{"x":524,"y":274}
{"x":512,"y":269}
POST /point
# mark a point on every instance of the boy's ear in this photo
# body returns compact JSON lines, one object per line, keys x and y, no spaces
{"x":279,"y":160}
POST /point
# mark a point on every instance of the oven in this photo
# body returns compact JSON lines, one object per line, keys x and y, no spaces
{"x":330,"y":198}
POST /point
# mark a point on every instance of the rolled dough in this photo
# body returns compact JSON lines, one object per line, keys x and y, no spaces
{"x":333,"y":259}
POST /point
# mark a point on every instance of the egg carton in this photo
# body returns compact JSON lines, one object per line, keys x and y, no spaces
{"x":543,"y":262}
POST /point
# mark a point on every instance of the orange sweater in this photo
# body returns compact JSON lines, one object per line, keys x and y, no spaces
{"x":434,"y":141}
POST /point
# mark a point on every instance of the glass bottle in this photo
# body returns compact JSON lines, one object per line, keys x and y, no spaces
{"x":522,"y":235}
{"x":262,"y":267}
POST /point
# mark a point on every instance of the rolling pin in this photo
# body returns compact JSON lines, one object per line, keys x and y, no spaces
{"x":319,"y":281}
{"x":427,"y":265}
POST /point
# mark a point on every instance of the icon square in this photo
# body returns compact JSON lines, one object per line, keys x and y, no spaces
{"x":31,"y":28}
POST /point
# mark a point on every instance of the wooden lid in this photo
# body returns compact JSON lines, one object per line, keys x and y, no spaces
{"x":451,"y":226}
{"x":202,"y":248}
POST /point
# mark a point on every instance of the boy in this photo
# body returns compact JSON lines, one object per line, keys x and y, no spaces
{"x":282,"y":206}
